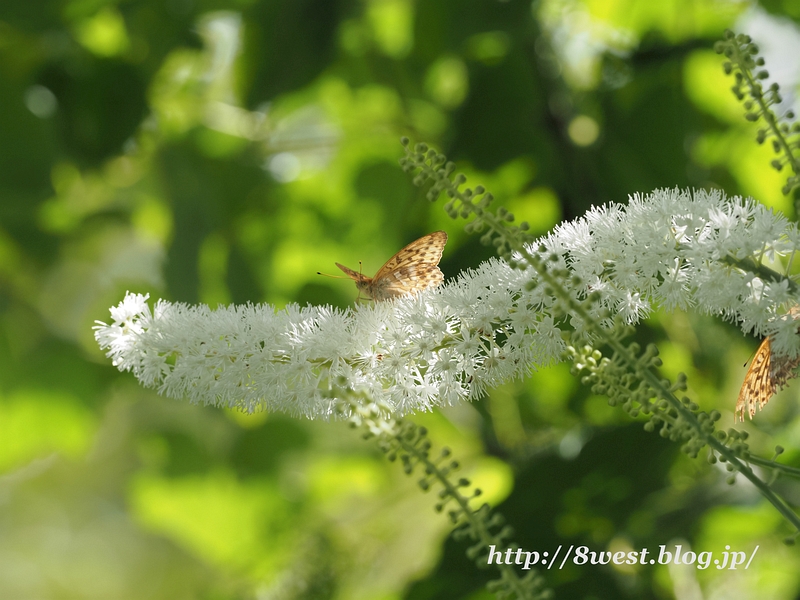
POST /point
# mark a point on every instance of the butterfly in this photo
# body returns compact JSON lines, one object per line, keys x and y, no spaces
{"x":767,"y":374}
{"x":414,"y":268}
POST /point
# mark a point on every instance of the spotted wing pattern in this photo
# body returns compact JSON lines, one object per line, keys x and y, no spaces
{"x":766,"y":375}
{"x":414,"y":268}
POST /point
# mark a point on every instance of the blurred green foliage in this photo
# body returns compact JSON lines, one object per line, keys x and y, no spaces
{"x":224,"y":151}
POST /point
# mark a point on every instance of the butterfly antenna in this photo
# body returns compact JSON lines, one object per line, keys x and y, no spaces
{"x":752,"y":354}
{"x":360,"y":268}
{"x":332,"y":276}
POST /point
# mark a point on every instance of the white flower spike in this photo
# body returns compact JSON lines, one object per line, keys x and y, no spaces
{"x":670,"y":248}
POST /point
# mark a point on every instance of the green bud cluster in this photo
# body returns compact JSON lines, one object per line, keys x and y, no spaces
{"x":434,"y":170}
{"x":482,"y":527}
{"x":746,"y":66}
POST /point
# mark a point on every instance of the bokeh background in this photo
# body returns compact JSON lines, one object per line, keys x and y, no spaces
{"x":224,"y":151}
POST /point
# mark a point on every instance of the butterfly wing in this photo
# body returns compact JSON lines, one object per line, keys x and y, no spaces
{"x":412,"y":269}
{"x":758,"y":386}
{"x":766,"y":375}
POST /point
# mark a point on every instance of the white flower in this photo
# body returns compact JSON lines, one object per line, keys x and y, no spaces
{"x":480,"y":329}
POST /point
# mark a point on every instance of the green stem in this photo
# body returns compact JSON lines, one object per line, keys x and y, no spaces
{"x":477,"y":525}
{"x":776,"y":466}
{"x":765,"y":273}
{"x":515,"y":243}
{"x":757,"y":95}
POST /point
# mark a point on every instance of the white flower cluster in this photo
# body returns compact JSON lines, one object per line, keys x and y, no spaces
{"x":452,"y":343}
{"x":679,"y":249}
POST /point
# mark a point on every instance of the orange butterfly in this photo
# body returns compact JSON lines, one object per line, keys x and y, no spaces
{"x":767,"y":374}
{"x":414,"y":268}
